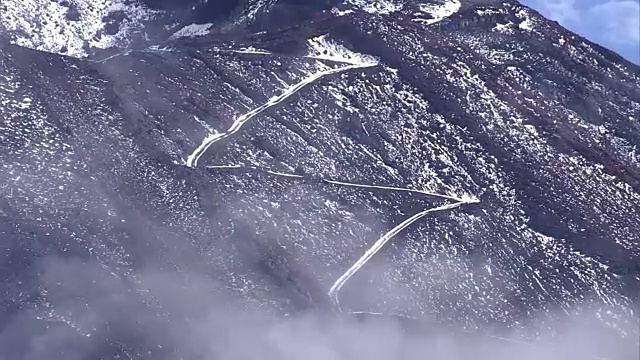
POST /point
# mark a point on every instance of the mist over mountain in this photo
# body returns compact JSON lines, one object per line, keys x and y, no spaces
{"x":385,"y":179}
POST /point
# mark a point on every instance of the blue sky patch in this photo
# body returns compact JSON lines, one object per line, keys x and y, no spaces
{"x":614,"y":24}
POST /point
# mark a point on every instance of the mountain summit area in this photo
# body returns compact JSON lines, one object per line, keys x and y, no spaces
{"x":282,"y":179}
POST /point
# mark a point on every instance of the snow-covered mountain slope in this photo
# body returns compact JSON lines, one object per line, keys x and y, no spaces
{"x":465,"y":163}
{"x":72,"y":27}
{"x":82,"y":28}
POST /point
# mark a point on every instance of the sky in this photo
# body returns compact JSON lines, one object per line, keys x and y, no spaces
{"x":614,"y":24}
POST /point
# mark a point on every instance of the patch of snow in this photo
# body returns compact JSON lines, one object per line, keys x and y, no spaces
{"x":488,"y":267}
{"x":438,"y":12}
{"x":339,"y":12}
{"x":526,"y":23}
{"x":483,"y":12}
{"x":323,"y":48}
{"x":463,"y":197}
{"x":53,"y":27}
{"x":254,"y":8}
{"x":157,"y":48}
{"x":192,"y":30}
{"x":503,"y":28}
{"x":377,"y":6}
{"x":251,"y":50}
{"x":204,"y":124}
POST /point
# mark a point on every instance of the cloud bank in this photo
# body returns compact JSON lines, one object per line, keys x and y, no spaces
{"x":189,"y":317}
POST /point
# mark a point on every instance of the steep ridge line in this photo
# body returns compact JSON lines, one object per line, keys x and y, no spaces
{"x":335,"y":182}
{"x":192,"y":160}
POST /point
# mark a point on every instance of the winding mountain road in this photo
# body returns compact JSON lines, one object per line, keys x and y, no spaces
{"x":340,"y":183}
{"x":194,"y":157}
{"x":333,"y":292}
{"x":192,"y":160}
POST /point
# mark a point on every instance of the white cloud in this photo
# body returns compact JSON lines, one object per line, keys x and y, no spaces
{"x":560,"y":10}
{"x":620,"y":19}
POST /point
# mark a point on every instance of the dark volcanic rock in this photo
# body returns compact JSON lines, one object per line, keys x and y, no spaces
{"x":88,"y":28}
{"x":122,"y":239}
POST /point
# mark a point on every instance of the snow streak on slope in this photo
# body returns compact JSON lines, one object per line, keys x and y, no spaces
{"x":322,"y":48}
{"x":249,"y":50}
{"x":377,"y":6}
{"x":70,"y":27}
{"x":192,"y":160}
{"x":252,"y":11}
{"x":192,"y":30}
{"x":333,"y":292}
{"x":527,"y":22}
{"x":438,"y":12}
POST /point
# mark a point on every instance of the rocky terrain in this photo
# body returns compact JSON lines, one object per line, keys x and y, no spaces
{"x":470,"y":166}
